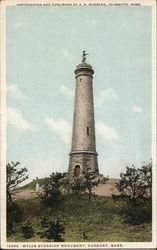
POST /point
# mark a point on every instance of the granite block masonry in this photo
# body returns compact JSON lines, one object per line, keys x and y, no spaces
{"x":83,"y":153}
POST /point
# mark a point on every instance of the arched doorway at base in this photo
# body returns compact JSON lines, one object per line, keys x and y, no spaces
{"x":77,"y":170}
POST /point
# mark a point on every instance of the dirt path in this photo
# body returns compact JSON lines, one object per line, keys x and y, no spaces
{"x":107,"y":189}
{"x":102,"y":189}
{"x":25,"y":194}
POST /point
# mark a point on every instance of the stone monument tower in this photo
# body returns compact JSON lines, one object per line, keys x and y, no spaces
{"x":83,"y":153}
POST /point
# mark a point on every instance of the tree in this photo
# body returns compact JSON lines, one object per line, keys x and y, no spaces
{"x":90,"y":180}
{"x":134,"y":183}
{"x":146,"y":176}
{"x":86,"y":182}
{"x":53,"y":188}
{"x":135,"y":187}
{"x":14,"y":177}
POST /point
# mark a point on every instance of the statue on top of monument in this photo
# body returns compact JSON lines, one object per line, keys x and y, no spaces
{"x":84,"y":56}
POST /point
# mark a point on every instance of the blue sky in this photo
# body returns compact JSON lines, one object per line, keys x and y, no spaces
{"x":44,"y":45}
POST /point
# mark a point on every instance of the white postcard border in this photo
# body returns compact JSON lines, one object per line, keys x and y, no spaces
{"x":73,"y":245}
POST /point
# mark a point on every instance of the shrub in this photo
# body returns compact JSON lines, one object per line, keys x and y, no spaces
{"x":27,"y":230}
{"x":14,"y":215}
{"x":77,"y":186}
{"x":10,"y":227}
{"x":85,"y":237}
{"x":86,"y":183}
{"x":54,"y":232}
{"x":138,"y":213}
{"x":44,"y":222}
{"x":14,"y":211}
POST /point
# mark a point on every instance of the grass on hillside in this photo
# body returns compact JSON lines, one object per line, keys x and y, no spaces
{"x":32,"y":185}
{"x":99,"y":218}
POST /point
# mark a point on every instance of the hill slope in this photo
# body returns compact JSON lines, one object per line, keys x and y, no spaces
{"x":31,"y":185}
{"x":28,"y":191}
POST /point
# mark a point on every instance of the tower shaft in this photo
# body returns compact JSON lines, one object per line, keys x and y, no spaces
{"x":83,"y":151}
{"x":83,"y":138}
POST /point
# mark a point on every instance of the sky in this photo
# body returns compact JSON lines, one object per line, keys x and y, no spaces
{"x":43,"y":47}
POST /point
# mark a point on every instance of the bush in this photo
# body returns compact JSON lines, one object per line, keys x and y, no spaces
{"x":138,"y":213}
{"x":86,"y":183}
{"x":14,"y":211}
{"x":44,"y":222}
{"x":77,"y":186}
{"x":10,"y":227}
{"x":54,"y":232}
{"x":27,"y":230}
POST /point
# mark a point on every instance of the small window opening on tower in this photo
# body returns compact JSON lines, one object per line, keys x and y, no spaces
{"x":87,"y":130}
{"x":80,"y":79}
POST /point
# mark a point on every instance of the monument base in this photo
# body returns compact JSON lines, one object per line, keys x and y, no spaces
{"x":81,"y":161}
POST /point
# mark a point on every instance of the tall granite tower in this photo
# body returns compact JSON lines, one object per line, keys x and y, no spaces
{"x":83,"y":153}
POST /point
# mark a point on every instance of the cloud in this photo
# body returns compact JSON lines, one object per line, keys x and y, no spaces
{"x":13,"y":91}
{"x":107,"y":95}
{"x":61,"y":127}
{"x":91,"y":22}
{"x":66,"y":54}
{"x":20,"y":26}
{"x":68,"y":93}
{"x":106,"y":132}
{"x":15,"y":118}
{"x":137,"y":109}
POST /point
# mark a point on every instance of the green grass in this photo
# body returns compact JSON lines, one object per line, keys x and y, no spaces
{"x":100,"y":218}
{"x":32,"y":184}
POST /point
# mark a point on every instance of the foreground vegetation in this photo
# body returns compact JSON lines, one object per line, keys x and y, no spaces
{"x":68,"y":210}
{"x":96,"y":219}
